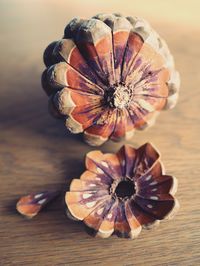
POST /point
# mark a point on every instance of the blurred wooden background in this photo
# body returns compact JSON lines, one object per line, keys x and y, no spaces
{"x":37,"y":153}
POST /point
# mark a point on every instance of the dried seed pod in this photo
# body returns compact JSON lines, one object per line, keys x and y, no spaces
{"x":121,"y":193}
{"x":110,"y":75}
{"x":30,"y":205}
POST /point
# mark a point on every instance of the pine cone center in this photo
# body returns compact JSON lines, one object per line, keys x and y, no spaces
{"x":119,"y":96}
{"x":123,"y":189}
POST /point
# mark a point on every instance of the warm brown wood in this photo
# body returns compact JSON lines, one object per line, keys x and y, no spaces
{"x":36,"y":152}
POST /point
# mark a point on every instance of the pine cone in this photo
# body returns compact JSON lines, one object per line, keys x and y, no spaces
{"x":121,"y":193}
{"x":108,"y":76}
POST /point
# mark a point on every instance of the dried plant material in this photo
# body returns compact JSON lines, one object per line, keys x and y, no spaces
{"x":121,"y":193}
{"x":30,"y":205}
{"x":108,"y":76}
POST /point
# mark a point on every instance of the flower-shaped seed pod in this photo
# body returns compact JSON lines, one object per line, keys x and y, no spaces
{"x":121,"y":193}
{"x":108,"y":76}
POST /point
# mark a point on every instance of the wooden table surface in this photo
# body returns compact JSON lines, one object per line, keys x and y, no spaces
{"x":37,"y":153}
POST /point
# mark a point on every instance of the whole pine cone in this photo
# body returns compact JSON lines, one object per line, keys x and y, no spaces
{"x":108,"y":76}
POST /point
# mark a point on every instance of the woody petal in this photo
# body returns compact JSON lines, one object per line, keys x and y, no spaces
{"x":98,"y":133}
{"x":30,"y":205}
{"x":93,"y":160}
{"x":139,"y":26}
{"x":139,"y":116}
{"x":83,"y":108}
{"x":119,"y":130}
{"x":111,"y":161}
{"x":63,"y":75}
{"x":48,"y":57}
{"x":150,"y":105}
{"x":79,"y":120}
{"x":78,"y":185}
{"x":96,"y":217}
{"x":151,"y":93}
{"x":151,"y":37}
{"x":107,"y":164}
{"x":87,"y":117}
{"x":147,"y":60}
{"x":102,"y":178}
{"x":53,"y":109}
{"x":129,"y":126}
{"x":134,"y":45}
{"x":81,"y":204}
{"x":107,"y":225}
{"x":122,"y":226}
{"x":144,"y":218}
{"x":121,"y":31}
{"x":120,"y":27}
{"x":147,"y":156}
{"x":174,"y":86}
{"x":153,"y":186}
{"x":154,"y":83}
{"x":153,"y":174}
{"x":156,"y":206}
{"x":72,"y":28}
{"x":94,"y":40}
{"x":124,"y":126}
{"x":153,"y":96}
{"x":126,"y":155}
{"x":67,"y":50}
{"x":133,"y":222}
{"x":45,"y":84}
{"x":68,"y":98}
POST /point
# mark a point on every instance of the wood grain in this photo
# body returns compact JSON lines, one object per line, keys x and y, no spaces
{"x":37,"y":153}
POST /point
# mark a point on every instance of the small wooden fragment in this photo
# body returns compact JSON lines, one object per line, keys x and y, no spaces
{"x":32,"y":204}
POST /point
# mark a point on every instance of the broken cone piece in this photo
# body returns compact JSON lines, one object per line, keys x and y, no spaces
{"x":31,"y":204}
{"x":109,"y":76}
{"x":123,"y":192}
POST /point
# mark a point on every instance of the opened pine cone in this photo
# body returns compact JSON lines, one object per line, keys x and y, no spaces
{"x":108,"y":76}
{"x":121,"y":193}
